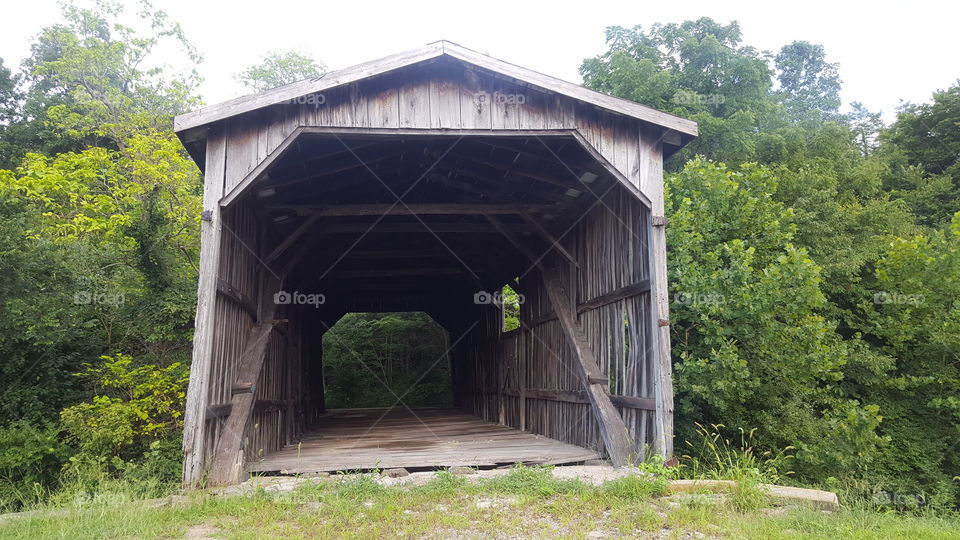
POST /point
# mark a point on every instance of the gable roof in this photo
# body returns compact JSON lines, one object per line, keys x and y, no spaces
{"x":234,"y":107}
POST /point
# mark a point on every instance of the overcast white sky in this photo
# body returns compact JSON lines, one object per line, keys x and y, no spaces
{"x":887,"y":52}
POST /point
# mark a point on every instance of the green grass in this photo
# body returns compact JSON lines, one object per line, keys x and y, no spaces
{"x":527,"y":502}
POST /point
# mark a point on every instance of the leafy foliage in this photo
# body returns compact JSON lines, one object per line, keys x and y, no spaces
{"x":134,"y":406}
{"x":279,"y":68}
{"x":382,"y":360}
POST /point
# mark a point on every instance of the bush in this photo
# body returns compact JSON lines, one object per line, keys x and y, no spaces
{"x":139,"y":406}
{"x":30,"y":460}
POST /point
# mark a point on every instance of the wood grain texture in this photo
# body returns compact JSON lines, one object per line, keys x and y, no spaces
{"x":364,"y":439}
{"x":359,"y":72}
{"x":211,"y":233}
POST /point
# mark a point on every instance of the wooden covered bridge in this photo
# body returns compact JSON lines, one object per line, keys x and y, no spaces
{"x":426,"y":181}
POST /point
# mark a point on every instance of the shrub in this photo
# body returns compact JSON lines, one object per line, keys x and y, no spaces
{"x":136,"y":408}
{"x":31,"y":456}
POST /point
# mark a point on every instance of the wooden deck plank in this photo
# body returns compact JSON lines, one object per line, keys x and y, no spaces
{"x":360,"y":439}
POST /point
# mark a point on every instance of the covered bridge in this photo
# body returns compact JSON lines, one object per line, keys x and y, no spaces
{"x":426,"y":181}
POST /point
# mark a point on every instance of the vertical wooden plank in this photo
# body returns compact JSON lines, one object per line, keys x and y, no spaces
{"x":263,"y":118}
{"x":560,"y":112}
{"x":650,"y":165}
{"x":415,"y":103}
{"x":276,"y":120}
{"x":383,"y":105}
{"x":588,"y":124}
{"x":335,"y":108}
{"x":358,"y":99}
{"x":533,"y":110}
{"x":211,"y":232}
{"x":505,"y":105}
{"x":242,"y":139}
{"x":660,"y":309}
{"x":444,"y":100}
{"x":475,"y":97}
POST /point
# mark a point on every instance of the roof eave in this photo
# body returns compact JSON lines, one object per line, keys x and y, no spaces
{"x":213,"y":113}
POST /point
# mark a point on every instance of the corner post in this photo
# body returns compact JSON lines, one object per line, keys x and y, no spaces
{"x":211,"y":231}
{"x":651,"y":156}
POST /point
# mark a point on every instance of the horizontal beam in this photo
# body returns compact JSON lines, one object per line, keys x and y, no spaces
{"x":597,"y":302}
{"x":222,"y":410}
{"x":627,"y":291}
{"x":399,"y":272}
{"x":413,"y":228}
{"x":374,"y":254}
{"x":235,"y":295}
{"x":346,"y":210}
{"x":577,"y":396}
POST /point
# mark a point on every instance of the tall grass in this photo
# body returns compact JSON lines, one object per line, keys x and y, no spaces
{"x":713,"y":456}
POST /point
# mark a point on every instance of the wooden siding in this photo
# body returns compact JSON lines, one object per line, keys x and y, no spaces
{"x":432,"y":98}
{"x":528,"y":379}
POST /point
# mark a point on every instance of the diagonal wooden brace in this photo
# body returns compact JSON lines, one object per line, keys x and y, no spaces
{"x":612,"y":429}
{"x":228,"y":460}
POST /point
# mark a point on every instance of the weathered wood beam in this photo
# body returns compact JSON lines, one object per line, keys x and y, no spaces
{"x":349,"y":210}
{"x":211,"y":234}
{"x":397,"y":254}
{"x":518,"y":171}
{"x":553,"y":192}
{"x":399,"y":272}
{"x":293,"y":237}
{"x":651,"y":170}
{"x":553,"y":242}
{"x":627,"y":291}
{"x":606,"y":299}
{"x":302,"y":251}
{"x":409,"y":228}
{"x":228,"y":458}
{"x":223,"y":410}
{"x":489,"y":191}
{"x":360,"y":163}
{"x":238,"y":297}
{"x":579,"y":396}
{"x":612,"y":429}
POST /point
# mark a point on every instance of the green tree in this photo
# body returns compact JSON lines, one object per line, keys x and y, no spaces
{"x":809,"y":86}
{"x":371,"y":359}
{"x":750,"y":345}
{"x":867,"y":126}
{"x":278,"y":68}
{"x":923,"y":146}
{"x":913,"y":314}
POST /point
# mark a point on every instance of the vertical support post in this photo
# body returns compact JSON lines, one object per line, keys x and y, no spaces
{"x":651,"y":170}
{"x":211,"y":233}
